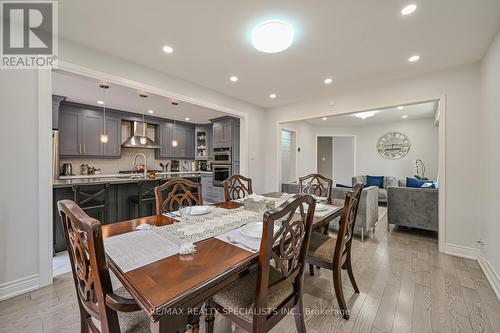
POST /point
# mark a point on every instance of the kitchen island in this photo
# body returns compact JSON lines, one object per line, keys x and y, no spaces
{"x":121,"y":199}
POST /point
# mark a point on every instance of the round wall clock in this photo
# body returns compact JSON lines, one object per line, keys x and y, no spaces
{"x":393,"y":145}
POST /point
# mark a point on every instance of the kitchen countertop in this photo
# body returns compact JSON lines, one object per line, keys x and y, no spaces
{"x":68,"y":181}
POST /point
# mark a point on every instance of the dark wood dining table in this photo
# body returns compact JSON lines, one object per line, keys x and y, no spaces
{"x":171,"y":289}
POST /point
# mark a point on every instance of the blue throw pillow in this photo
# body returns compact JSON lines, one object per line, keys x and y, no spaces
{"x":415,"y":183}
{"x":375,"y":181}
{"x":342,"y":186}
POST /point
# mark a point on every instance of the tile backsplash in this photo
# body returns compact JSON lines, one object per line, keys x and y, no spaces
{"x":112,"y":166}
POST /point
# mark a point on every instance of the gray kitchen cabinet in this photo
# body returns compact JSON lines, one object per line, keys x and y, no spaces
{"x":56,"y":103}
{"x":236,"y":142}
{"x":69,"y":133}
{"x":236,"y":168}
{"x":222,"y":133}
{"x":203,"y":143}
{"x":164,"y":137}
{"x":80,"y":130}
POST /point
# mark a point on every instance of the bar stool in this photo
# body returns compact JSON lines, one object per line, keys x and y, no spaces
{"x":145,"y":198}
{"x":93,"y":200}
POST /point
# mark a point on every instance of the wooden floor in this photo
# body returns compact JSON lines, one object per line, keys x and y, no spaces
{"x":406,"y":286}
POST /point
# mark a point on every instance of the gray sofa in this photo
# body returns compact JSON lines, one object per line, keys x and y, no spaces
{"x":367,"y":217}
{"x":382,"y":192}
{"x":368,"y":206}
{"x":412,"y":207}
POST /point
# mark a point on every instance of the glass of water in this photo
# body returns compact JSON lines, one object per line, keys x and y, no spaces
{"x":185,"y":213}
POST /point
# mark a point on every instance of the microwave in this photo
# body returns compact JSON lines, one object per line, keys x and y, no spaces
{"x":222,"y":155}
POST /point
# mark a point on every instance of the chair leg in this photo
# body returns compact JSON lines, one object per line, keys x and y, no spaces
{"x":362,"y":234}
{"x":351,"y":275}
{"x":311,"y":270}
{"x":339,"y":292}
{"x":298,"y":315}
{"x":209,"y":318}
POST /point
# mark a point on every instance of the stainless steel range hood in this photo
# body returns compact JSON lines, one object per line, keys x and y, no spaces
{"x":139,"y":134}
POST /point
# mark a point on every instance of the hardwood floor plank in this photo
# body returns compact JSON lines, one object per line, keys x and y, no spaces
{"x":422,"y":322}
{"x":403,"y":319}
{"x":387,"y":309}
{"x":477,"y":315}
{"x":440,"y":314}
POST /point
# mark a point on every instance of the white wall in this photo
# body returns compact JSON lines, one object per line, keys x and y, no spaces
{"x":19,"y":224}
{"x":461,"y":86}
{"x":423,"y":136}
{"x":344,"y":155}
{"x":490,"y":156}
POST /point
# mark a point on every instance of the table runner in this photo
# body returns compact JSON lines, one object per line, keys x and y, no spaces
{"x":138,"y":248}
{"x":194,"y":231}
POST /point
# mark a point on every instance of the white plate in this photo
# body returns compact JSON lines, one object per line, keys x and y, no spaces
{"x":199,"y":210}
{"x":321,"y":207}
{"x":254,"y":230}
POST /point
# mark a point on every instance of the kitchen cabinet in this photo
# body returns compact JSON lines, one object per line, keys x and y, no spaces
{"x":222,"y":134}
{"x":56,"y":103}
{"x":184,"y":135}
{"x":203,"y":143}
{"x":80,"y":131}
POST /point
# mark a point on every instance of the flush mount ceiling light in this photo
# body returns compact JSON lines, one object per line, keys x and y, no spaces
{"x":407,"y":10}
{"x":328,"y":80}
{"x":364,"y":115}
{"x":272,"y":36}
{"x":272,"y":96}
{"x":414,"y":58}
{"x":168,"y":49}
{"x":401,"y":107}
{"x":233,"y":79}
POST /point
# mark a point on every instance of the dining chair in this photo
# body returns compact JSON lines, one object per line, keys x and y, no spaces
{"x":176,"y":193}
{"x":99,"y":304}
{"x":265,"y":295}
{"x":334,"y":253}
{"x":316,"y":184}
{"x":237,"y":187}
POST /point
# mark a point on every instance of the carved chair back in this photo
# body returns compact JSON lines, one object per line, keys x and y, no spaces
{"x":237,"y":187}
{"x":286,"y":249}
{"x":346,"y":226}
{"x":316,"y":184}
{"x":88,"y":264}
{"x":176,"y":193}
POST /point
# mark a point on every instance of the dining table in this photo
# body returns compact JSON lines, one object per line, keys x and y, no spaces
{"x":172,"y":289}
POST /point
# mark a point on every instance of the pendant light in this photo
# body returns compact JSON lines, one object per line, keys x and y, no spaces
{"x":174,"y":140}
{"x":143,"y":140}
{"x":104,"y":136}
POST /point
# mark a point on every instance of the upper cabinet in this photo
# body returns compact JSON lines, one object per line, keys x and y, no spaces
{"x":183,"y":134}
{"x":226,"y":133}
{"x":203,"y":142}
{"x":80,"y":131}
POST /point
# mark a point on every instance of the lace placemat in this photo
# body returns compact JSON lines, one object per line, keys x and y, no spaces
{"x":204,"y":227}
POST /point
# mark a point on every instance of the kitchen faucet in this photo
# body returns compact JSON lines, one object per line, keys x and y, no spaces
{"x":145,"y":163}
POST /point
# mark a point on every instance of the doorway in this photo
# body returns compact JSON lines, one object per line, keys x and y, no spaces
{"x":288,"y":156}
{"x":336,"y":158}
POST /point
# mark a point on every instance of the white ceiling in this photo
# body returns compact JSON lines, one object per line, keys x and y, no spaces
{"x":354,"y":42}
{"x":85,"y":90}
{"x":386,"y":115}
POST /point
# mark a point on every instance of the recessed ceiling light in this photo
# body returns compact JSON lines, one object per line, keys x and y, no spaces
{"x":187,"y":119}
{"x":272,"y":96}
{"x":414,"y":58}
{"x":401,"y":107}
{"x":328,"y":80}
{"x":151,"y":111}
{"x":100,"y":102}
{"x":168,"y":49}
{"x":272,"y":36}
{"x":233,"y":78}
{"x":324,"y":118}
{"x":407,"y":10}
{"x":404,"y":117}
{"x":364,"y":115}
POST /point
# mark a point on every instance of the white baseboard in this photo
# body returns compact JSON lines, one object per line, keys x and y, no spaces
{"x":461,"y":251}
{"x":490,"y":273}
{"x":18,"y":287}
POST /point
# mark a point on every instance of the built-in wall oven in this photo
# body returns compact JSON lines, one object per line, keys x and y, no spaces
{"x":222,"y":155}
{"x":220,"y":173}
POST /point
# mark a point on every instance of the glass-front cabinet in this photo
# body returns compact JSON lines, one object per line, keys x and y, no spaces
{"x":203,"y":143}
